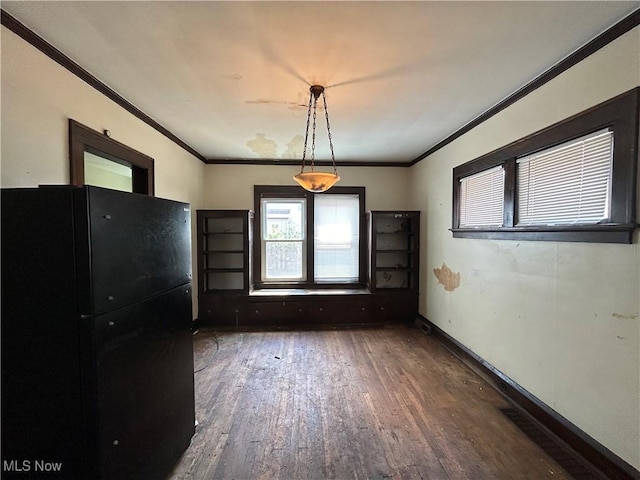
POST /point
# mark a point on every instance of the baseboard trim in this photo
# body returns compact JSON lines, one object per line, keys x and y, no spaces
{"x":580,"y":442}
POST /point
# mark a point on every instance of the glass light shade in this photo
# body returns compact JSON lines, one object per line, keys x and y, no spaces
{"x":316,"y":182}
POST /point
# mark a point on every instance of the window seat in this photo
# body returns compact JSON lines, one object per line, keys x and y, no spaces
{"x":285,"y":292}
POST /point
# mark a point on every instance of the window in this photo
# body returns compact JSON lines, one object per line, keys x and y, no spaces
{"x":96,"y":159}
{"x":573,"y":181}
{"x":568,"y":184}
{"x":309,"y":240}
{"x":336,"y":238}
{"x":283,"y":239}
{"x":482,"y":198}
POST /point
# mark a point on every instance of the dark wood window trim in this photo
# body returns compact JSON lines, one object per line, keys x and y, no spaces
{"x":83,"y":139}
{"x":269,"y":191}
{"x":620,"y":114}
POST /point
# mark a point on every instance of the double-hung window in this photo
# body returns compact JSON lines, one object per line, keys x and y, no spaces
{"x":309,"y":240}
{"x":573,"y":181}
{"x":284,"y":239}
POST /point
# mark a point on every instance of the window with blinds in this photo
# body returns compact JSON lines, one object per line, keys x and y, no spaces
{"x":573,"y":181}
{"x":568,"y":184}
{"x":482,"y":199}
{"x":336,"y":238}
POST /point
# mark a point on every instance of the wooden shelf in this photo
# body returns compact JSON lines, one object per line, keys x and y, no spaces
{"x":394,"y":260}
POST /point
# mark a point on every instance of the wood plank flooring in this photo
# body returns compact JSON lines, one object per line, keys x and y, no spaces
{"x":371,"y":403}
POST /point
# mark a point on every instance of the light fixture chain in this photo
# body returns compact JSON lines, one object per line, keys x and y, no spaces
{"x":326,"y":114}
{"x":316,"y":182}
{"x":306,"y":133}
{"x":313,"y":136}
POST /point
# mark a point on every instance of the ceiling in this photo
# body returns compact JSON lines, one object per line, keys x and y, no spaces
{"x":231,"y":79}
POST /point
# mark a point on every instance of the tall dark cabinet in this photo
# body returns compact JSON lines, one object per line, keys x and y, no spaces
{"x":97,"y":358}
{"x":224,"y":264}
{"x":394,"y":261}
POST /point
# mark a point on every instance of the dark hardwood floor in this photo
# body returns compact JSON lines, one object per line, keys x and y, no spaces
{"x":370,"y":403}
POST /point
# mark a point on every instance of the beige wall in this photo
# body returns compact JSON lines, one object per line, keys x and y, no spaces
{"x":231,"y":186}
{"x":561,"y":319}
{"x":38,"y":98}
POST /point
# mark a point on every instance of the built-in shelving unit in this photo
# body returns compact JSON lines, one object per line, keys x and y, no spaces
{"x":224,"y":248}
{"x":226,"y":297}
{"x":394,"y":240}
{"x":224,"y":256}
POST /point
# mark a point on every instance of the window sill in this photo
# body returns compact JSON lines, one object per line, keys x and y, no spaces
{"x":611,"y":233}
{"x":277,"y":292}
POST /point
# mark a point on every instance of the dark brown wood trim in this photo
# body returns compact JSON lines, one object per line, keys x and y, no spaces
{"x":321,"y":163}
{"x":294,"y":191}
{"x":619,"y":114}
{"x":57,"y":56}
{"x":593,"y":452}
{"x":82,"y":138}
{"x":593,"y":234}
{"x":608,"y":36}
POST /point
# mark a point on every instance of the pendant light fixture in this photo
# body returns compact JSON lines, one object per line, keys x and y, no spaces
{"x":313,"y":181}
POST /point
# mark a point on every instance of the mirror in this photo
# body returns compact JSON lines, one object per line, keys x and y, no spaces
{"x":96,"y":159}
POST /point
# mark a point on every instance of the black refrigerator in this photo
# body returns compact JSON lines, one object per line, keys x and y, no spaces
{"x":97,"y":352}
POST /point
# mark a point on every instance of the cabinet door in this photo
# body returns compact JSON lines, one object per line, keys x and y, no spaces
{"x":395,"y":307}
{"x":145,"y":393}
{"x":281,"y":312}
{"x":220,"y":310}
{"x":341,"y":310}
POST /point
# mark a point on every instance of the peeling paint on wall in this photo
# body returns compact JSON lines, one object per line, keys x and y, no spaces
{"x":622,"y":316}
{"x":448,"y":278}
{"x":263,"y":146}
{"x":291,"y":105}
{"x":294,"y":147}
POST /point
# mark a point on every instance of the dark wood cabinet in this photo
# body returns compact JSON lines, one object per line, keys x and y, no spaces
{"x":226,"y":298}
{"x":394,"y":264}
{"x":224,"y":245}
{"x":394,"y":244}
{"x":278,"y":311}
{"x":224,"y":264}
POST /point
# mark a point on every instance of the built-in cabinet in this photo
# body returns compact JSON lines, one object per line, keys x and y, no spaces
{"x":394,"y":241}
{"x":224,"y":244}
{"x":224,"y":264}
{"x":226,"y":298}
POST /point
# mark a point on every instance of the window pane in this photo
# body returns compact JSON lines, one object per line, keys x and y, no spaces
{"x":336,"y":238}
{"x":567,"y":184}
{"x":283,"y":219}
{"x":283,"y":260}
{"x":482,"y":199}
{"x":102,"y":172}
{"x":284,"y":245}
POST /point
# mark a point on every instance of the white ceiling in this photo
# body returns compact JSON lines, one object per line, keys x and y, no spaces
{"x":231,"y":79}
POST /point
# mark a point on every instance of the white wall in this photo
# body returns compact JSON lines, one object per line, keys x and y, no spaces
{"x":231,"y":186}
{"x":38,"y":98}
{"x":561,"y":319}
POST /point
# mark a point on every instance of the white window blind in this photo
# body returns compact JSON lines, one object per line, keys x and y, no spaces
{"x":482,"y":199}
{"x":336,"y":238}
{"x":567,"y":184}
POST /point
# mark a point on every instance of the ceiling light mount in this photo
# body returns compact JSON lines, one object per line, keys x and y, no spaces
{"x":313,"y":181}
